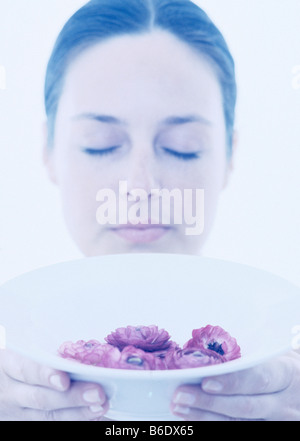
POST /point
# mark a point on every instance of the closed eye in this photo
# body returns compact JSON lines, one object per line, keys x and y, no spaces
{"x":101,"y":152}
{"x":183,"y":156}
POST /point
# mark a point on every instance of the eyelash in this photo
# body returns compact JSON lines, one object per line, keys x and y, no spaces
{"x":182,"y":156}
{"x":111,"y":150}
{"x":101,"y":152}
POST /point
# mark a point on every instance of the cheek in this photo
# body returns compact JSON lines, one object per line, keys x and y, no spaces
{"x":79,"y":177}
{"x":78,"y":189}
{"x":208,"y":176}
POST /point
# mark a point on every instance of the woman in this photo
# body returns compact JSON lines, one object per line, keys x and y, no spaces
{"x":142,"y":92}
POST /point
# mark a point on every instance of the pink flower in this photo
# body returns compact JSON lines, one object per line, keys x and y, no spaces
{"x":147,"y":338}
{"x":77,"y":350}
{"x":193,"y":358}
{"x":165,"y":357}
{"x":134,"y":358}
{"x":215,"y":339}
{"x":150,"y":348}
{"x":90,"y":353}
{"x":103,"y":356}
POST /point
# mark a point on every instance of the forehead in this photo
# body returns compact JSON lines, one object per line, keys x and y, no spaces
{"x":141,"y":74}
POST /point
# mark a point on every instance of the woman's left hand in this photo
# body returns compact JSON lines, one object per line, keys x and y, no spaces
{"x":269,"y":392}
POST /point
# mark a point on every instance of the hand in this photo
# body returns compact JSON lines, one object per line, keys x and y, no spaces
{"x":30,"y":392}
{"x":269,"y":392}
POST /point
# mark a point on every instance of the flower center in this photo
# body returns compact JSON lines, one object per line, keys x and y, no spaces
{"x":216,"y":347}
{"x":89,"y":345}
{"x":136,"y":361}
{"x":197,"y":354}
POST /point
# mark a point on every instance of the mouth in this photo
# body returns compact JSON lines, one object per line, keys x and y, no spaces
{"x":141,"y":233}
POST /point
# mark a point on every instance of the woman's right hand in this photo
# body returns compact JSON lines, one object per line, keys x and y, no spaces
{"x":31,"y":392}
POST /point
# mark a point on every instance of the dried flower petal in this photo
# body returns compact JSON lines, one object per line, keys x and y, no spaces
{"x":165,"y":356}
{"x":214,"y":338}
{"x":194,"y":357}
{"x":103,"y":356}
{"x":78,"y":349}
{"x":134,"y":358}
{"x":150,"y":348}
{"x":91,"y":352}
{"x":147,"y":338}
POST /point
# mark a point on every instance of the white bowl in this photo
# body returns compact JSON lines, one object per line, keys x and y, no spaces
{"x":89,"y":298}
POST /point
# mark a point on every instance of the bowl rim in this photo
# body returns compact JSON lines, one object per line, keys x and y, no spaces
{"x":59,"y":363}
{"x":76,"y":368}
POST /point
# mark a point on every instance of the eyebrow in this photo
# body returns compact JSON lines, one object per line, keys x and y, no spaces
{"x":180,"y":120}
{"x":100,"y":118}
{"x":170,"y":121}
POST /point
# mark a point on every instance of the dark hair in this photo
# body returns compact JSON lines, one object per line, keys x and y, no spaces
{"x":99,"y":20}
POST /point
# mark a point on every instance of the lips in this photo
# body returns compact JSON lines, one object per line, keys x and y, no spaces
{"x":141,"y":233}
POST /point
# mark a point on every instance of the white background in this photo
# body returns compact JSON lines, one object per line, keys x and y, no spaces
{"x":259,"y":215}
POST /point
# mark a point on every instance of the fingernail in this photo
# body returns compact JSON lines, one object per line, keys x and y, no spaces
{"x":92,"y":396}
{"x":185,"y":398}
{"x":56,"y":381}
{"x":181,"y":409}
{"x":212,"y":386}
{"x":96,"y":408}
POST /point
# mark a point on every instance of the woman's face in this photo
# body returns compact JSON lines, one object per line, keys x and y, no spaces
{"x":146,"y":111}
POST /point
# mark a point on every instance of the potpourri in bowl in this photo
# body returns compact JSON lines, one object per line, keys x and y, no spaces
{"x":82,"y":301}
{"x":150,"y":348}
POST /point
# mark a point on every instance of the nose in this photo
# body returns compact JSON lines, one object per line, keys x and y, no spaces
{"x":143,"y":171}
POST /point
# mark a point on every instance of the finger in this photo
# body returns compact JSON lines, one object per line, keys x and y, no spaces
{"x":43,"y":399}
{"x":191,"y":414}
{"x":248,"y":407}
{"x":72,"y":414}
{"x":26,"y":371}
{"x":271,"y":377}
